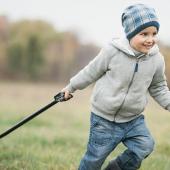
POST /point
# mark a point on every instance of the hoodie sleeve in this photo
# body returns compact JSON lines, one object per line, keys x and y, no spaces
{"x":158,"y":88}
{"x":93,"y":71}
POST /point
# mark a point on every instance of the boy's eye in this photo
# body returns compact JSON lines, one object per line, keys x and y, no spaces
{"x":155,"y":33}
{"x":144,"y":34}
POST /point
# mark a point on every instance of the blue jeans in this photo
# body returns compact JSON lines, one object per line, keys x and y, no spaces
{"x":106,"y":135}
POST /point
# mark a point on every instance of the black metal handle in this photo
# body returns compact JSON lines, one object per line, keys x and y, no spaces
{"x":57,"y":98}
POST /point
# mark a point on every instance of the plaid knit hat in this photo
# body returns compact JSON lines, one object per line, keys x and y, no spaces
{"x":137,"y":17}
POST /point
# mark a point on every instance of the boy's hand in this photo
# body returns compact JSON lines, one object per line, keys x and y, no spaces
{"x":67,"y":95}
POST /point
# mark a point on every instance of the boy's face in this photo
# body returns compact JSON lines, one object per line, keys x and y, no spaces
{"x":144,"y":40}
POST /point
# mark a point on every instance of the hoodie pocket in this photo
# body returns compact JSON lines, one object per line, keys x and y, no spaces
{"x":105,"y":102}
{"x":97,"y":94}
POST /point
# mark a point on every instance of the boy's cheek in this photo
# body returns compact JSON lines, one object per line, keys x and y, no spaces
{"x":156,"y":40}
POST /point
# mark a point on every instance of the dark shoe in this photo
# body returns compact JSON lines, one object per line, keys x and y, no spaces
{"x":112,"y":166}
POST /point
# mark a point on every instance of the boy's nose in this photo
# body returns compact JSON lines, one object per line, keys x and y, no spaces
{"x":150,"y":39}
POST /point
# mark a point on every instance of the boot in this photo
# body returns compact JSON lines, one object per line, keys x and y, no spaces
{"x":113,"y":165}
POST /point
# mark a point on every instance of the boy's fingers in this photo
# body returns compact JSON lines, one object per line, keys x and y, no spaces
{"x":67,"y":95}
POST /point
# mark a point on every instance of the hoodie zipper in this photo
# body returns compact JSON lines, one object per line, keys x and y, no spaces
{"x":134,"y":72}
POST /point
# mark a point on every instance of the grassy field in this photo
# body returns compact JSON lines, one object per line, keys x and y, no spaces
{"x":56,"y":140}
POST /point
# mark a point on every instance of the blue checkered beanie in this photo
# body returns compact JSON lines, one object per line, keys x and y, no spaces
{"x":137,"y":17}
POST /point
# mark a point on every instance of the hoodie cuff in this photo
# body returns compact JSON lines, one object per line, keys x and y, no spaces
{"x":69,"y":88}
{"x":168,"y":107}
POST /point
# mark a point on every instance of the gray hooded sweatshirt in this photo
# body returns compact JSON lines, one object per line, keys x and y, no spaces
{"x":123,"y":79}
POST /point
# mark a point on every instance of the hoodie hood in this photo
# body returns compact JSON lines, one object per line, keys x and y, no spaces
{"x":123,"y":45}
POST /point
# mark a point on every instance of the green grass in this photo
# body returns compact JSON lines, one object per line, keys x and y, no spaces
{"x":56,"y":140}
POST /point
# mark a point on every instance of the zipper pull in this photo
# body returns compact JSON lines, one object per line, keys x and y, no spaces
{"x":136,"y":67}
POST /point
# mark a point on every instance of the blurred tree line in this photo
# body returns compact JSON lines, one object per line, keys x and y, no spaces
{"x":33,"y":50}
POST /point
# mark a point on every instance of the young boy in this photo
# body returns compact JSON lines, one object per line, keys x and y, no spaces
{"x":124,"y":71}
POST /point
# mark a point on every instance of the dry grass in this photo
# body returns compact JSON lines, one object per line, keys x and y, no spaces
{"x":56,"y":140}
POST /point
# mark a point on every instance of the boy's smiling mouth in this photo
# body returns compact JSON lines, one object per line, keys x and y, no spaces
{"x":148,"y":46}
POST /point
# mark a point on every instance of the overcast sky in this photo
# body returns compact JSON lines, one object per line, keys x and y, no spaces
{"x":94,"y":20}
